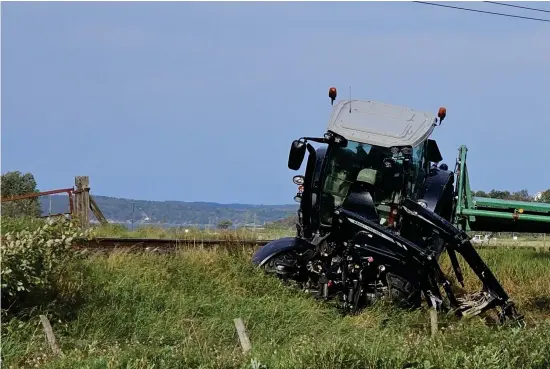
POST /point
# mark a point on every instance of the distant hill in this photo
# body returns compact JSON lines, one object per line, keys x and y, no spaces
{"x":176,"y":212}
{"x":288,"y":222}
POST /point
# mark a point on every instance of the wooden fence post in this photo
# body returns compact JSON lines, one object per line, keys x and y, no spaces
{"x":50,"y":337}
{"x":243,"y":337}
{"x":82,"y":200}
{"x":433,"y":320}
{"x":97,"y":211}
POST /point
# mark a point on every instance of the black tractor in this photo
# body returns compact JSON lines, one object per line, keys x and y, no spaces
{"x":375,"y":216}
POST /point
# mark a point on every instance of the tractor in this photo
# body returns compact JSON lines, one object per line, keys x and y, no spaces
{"x":377,"y":209}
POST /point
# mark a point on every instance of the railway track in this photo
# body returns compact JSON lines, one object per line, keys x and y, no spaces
{"x":107,"y":244}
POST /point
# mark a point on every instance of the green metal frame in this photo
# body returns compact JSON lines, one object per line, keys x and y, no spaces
{"x":469,"y":208}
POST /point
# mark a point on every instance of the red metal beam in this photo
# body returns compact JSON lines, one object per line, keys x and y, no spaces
{"x":38,"y":194}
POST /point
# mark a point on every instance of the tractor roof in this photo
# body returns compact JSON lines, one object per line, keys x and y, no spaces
{"x":380,"y":124}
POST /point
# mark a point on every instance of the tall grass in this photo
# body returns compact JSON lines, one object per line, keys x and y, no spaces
{"x":177,"y":311}
{"x":152,"y":231}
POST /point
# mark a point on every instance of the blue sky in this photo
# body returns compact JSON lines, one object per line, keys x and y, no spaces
{"x":200,"y":101}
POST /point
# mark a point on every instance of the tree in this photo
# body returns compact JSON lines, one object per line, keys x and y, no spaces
{"x":503,"y":195}
{"x":225,"y":224}
{"x":545,"y":196}
{"x":14,"y":184}
{"x":480,"y":194}
{"x":522,"y":195}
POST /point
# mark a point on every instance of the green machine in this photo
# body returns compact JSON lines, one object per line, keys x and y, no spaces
{"x":494,"y":215}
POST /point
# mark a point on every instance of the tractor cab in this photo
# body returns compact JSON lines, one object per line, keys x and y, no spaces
{"x":375,"y":155}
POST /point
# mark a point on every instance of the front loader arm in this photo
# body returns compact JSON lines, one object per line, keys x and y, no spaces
{"x":457,"y":240}
{"x":382,"y":240}
{"x":397,"y":251}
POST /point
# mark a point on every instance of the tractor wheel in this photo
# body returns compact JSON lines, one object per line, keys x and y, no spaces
{"x":403,"y":292}
{"x":286,"y":267}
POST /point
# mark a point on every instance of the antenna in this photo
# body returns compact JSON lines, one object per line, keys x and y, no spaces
{"x":350,"y":98}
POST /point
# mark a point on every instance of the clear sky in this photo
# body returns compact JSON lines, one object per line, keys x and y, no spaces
{"x":200,"y":101}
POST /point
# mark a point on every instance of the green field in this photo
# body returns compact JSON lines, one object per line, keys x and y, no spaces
{"x":176,"y":311}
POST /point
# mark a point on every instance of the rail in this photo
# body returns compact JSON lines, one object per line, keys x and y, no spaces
{"x":175,"y":241}
{"x":111,"y":243}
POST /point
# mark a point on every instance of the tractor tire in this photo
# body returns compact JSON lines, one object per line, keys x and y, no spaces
{"x":291,"y":275}
{"x":403,"y":292}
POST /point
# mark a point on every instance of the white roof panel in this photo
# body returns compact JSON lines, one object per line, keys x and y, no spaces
{"x":380,"y":124}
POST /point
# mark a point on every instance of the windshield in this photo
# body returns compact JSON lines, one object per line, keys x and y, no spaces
{"x":345,"y":163}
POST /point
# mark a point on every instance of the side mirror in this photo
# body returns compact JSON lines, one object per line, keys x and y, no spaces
{"x":296,"y":155}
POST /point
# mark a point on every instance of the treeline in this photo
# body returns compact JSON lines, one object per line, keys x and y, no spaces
{"x":522,"y":195}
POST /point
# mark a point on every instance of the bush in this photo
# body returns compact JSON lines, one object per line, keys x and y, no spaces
{"x":33,"y":256}
{"x":18,"y":224}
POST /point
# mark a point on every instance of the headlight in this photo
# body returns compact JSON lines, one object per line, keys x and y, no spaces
{"x":298,"y":180}
{"x":423,"y":203}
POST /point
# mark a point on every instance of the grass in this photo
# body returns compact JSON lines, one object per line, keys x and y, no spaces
{"x":177,"y":311}
{"x":151,"y":231}
{"x":521,"y":241}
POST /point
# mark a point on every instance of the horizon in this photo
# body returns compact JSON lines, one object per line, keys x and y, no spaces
{"x":187,"y":202}
{"x":532,"y":195}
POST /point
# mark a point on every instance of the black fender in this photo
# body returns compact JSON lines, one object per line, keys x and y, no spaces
{"x":276,"y":247}
{"x":436,"y":186}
